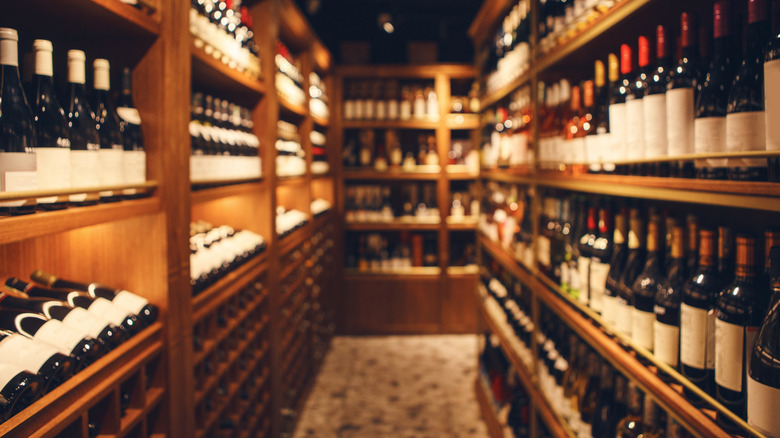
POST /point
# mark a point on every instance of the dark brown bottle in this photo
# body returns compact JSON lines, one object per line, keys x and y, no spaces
{"x":645,"y":287}
{"x":667,"y":304}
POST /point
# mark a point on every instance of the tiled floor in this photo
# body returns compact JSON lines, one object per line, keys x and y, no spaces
{"x":395,"y":386}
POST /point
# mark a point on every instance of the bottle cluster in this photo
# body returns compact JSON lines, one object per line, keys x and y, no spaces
{"x":52,"y":328}
{"x":87,"y":144}
{"x":506,"y":132}
{"x":505,"y":217}
{"x":465,"y":203}
{"x":290,"y":156}
{"x":288,"y":79}
{"x":288,"y":221}
{"x":369,"y":148}
{"x":224,"y":29}
{"x":223,"y":145}
{"x":378,"y":251}
{"x":381,"y":203}
{"x":319,"y":158}
{"x":216,"y":251}
{"x":561,"y":20}
{"x":319,"y":206}
{"x":390,"y":100}
{"x":649,"y":106}
{"x":318,"y":92}
{"x":693,"y":296}
{"x":510,"y":51}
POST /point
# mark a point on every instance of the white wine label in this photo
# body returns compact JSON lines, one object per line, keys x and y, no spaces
{"x":129,"y":115}
{"x":710,"y":137}
{"x":598,"y":283}
{"x":746,"y":132}
{"x":406,"y":110}
{"x":609,"y":309}
{"x":134,"y":167}
{"x":625,"y":313}
{"x":130,"y":301}
{"x":583,"y":273}
{"x":543,"y":251}
{"x":667,"y":342}
{"x":349,"y":109}
{"x":730,"y":347}
{"x":392,"y":109}
{"x":565,"y":274}
{"x":53,"y":168}
{"x":642,"y":328}
{"x":368,"y":108}
{"x":25,"y":352}
{"x":762,"y":403}
{"x":693,"y":336}
{"x":635,"y":130}
{"x":8,"y":372}
{"x":617,"y":130}
{"x":655,"y":122}
{"x":111,"y":169}
{"x":84,"y":167}
{"x":59,"y":336}
{"x":104,"y":309}
{"x":679,"y":121}
{"x":17,"y":174}
{"x":772,"y":104}
{"x":85,"y":322}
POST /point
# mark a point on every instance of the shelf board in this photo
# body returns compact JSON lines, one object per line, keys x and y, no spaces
{"x":66,"y":403}
{"x":289,"y":108}
{"x":426,"y":123}
{"x":507,"y":89}
{"x":752,"y":195}
{"x":212,"y":75}
{"x":488,"y":409}
{"x":518,"y":174}
{"x":462,"y":223}
{"x":203,"y":192}
{"x":398,"y":224}
{"x":394,"y":71}
{"x":457,"y":121}
{"x":319,"y":121}
{"x":420,"y":173}
{"x":414,"y":271}
{"x":16,"y":228}
{"x":326,"y":175}
{"x":295,"y":238}
{"x":227,"y":286}
{"x":460,"y":172}
{"x":291,"y":180}
{"x":468,"y":270}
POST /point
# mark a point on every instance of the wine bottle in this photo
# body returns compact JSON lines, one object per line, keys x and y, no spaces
{"x":585,"y":247}
{"x":52,"y":151}
{"x":635,"y":132}
{"x":128,"y":324}
{"x":589,"y":395}
{"x":616,"y":264}
{"x":611,"y":407}
{"x":601,"y":253}
{"x":49,"y":364}
{"x":137,"y":305}
{"x":680,"y":98}
{"x":745,"y":130}
{"x":134,"y":156}
{"x":18,"y":389}
{"x":634,"y":262}
{"x":598,"y":140}
{"x":655,"y":106}
{"x":771,"y":240}
{"x":621,"y":80}
{"x":111,"y":142}
{"x":772,"y":95}
{"x":667,"y":305}
{"x":645,"y":287}
{"x":17,"y":129}
{"x":74,"y":317}
{"x":692,"y":244}
{"x":84,"y":138}
{"x":697,"y":319}
{"x":763,"y":383}
{"x":712,"y":103}
{"x":725,"y":255}
{"x":739,"y":317}
{"x":631,"y":424}
{"x":64,"y":339}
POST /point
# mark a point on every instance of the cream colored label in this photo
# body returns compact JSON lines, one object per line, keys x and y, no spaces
{"x":543,"y":251}
{"x":598,"y":283}
{"x":134,"y":167}
{"x":762,"y":403}
{"x":609,"y":309}
{"x":104,"y":309}
{"x":53,"y":169}
{"x":772,"y":105}
{"x":84,"y":168}
{"x":85,"y":322}
{"x":8,"y":372}
{"x":710,"y":137}
{"x":130,"y":301}
{"x":745,"y":132}
{"x":655,"y":122}
{"x":667,"y":342}
{"x":635,"y":130}
{"x":695,"y":337}
{"x":624,"y":313}
{"x":679,"y":121}
{"x":59,"y":336}
{"x":617,"y":131}
{"x":642,"y":328}
{"x":729,"y":346}
{"x":24,"y":352}
{"x":583,"y":271}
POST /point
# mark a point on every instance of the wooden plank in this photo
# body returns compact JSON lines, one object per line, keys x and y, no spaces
{"x":488,"y":411}
{"x":426,"y":123}
{"x":212,"y":76}
{"x":216,"y":190}
{"x":456,"y":71}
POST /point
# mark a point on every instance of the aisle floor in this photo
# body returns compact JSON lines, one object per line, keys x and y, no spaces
{"x":395,"y":386}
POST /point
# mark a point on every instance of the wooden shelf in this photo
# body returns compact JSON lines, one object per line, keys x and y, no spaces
{"x":488,"y":409}
{"x":295,"y":238}
{"x":211,"y":75}
{"x":291,"y":180}
{"x":414,"y":271}
{"x":227,"y":286}
{"x":462,"y":121}
{"x":67,"y":402}
{"x":430,"y":71}
{"x":460,"y":172}
{"x":399,"y":224}
{"x":421,"y":173}
{"x":461,"y":271}
{"x":506,"y":90}
{"x":466,"y":223}
{"x":429,"y":124}
{"x":289,"y":108}
{"x":520,"y":174}
{"x":17,"y":228}
{"x":203,"y":192}
{"x":319,"y":121}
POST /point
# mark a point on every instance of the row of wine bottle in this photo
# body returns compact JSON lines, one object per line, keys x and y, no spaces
{"x":363,"y":148}
{"x":288,"y":221}
{"x":288,"y":79}
{"x":53,"y":327}
{"x":377,"y":251}
{"x":44,"y":147}
{"x":380,"y":203}
{"x":318,"y":92}
{"x":290,"y":156}
{"x":386,"y":100}
{"x":319,"y":158}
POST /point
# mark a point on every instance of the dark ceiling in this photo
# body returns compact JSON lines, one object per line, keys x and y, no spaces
{"x":443,"y":21}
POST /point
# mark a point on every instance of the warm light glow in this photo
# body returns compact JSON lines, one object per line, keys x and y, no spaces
{"x":388,"y":27}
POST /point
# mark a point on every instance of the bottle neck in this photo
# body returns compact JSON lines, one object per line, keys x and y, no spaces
{"x":758,"y":35}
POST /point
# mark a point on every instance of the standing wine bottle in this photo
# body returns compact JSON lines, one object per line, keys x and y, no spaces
{"x":763,"y":383}
{"x":725,"y":255}
{"x":84,"y":138}
{"x":66,"y":340}
{"x":712,"y":102}
{"x":111,"y":142}
{"x":585,"y":247}
{"x":17,"y":130}
{"x":634,"y":262}
{"x":680,"y":98}
{"x":772,"y":95}
{"x":599,"y":140}
{"x":628,"y":425}
{"x":617,"y":101}
{"x":612,"y":409}
{"x":134,"y":157}
{"x":18,"y":389}
{"x":635,"y":132}
{"x":52,"y":151}
{"x":616,"y":265}
{"x":74,"y":317}
{"x":745,"y":130}
{"x":601,"y":253}
{"x":697,"y":319}
{"x":692,"y":244}
{"x":128,"y":324}
{"x":667,"y":305}
{"x":739,"y":317}
{"x":645,"y":287}
{"x":52,"y":366}
{"x":655,"y":106}
{"x":137,"y":305}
